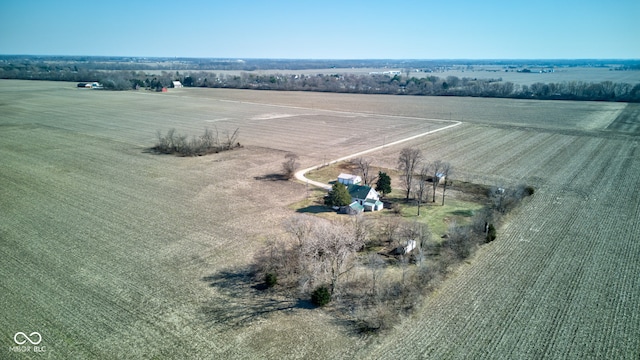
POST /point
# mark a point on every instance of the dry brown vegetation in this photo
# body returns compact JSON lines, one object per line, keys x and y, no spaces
{"x":111,"y":252}
{"x":207,"y":143}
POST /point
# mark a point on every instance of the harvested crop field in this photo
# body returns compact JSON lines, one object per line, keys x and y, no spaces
{"x":112,"y":252}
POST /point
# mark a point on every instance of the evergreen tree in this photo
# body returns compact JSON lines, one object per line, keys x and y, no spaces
{"x":338,"y":196}
{"x":384,"y":183}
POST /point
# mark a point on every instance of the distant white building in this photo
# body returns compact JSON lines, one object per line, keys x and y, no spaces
{"x":349,"y":179}
{"x":177,"y":84}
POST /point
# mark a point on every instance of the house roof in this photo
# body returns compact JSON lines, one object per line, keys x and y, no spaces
{"x":359,"y":191}
{"x":355,"y":206}
{"x":348,"y":176}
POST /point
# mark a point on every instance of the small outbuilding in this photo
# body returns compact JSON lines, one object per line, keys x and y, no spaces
{"x":349,"y":179}
{"x":352,"y":209}
{"x":408,"y":246}
{"x":177,"y":84}
{"x":373,"y":205}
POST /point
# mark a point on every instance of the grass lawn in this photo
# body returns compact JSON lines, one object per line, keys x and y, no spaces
{"x":436,"y":216}
{"x":439,"y":217}
{"x":329,"y":174}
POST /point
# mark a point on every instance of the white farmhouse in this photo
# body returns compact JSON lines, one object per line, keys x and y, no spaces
{"x":365,"y":196}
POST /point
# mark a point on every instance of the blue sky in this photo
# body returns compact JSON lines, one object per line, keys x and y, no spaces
{"x":324,"y":29}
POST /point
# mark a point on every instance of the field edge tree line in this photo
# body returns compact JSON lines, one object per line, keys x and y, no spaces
{"x":337,"y":82}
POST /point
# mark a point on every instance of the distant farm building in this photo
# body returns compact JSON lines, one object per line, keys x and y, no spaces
{"x":177,"y":84}
{"x":93,"y":85}
{"x":349,"y":179}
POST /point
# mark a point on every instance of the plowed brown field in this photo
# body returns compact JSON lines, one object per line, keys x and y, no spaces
{"x":111,"y":252}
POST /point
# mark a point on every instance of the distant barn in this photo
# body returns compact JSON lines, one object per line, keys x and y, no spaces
{"x":93,"y":85}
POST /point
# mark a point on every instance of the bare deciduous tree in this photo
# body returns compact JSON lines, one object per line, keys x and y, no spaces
{"x":364,"y":167}
{"x":375,"y":263}
{"x":408,"y":162}
{"x":421,"y":188}
{"x":446,"y":171}
{"x":361,"y":226}
{"x":436,"y":168}
{"x":290,"y":166}
{"x":336,"y":247}
{"x":389,"y":228}
{"x":299,"y":227}
{"x":232,"y":139}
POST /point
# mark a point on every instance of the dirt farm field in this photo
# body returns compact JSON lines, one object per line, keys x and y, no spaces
{"x":108,"y":251}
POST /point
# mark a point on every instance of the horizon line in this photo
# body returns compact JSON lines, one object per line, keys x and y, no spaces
{"x":325,"y":59}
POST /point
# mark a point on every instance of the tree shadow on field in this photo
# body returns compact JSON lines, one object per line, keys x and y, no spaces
{"x":315,"y":209}
{"x":242,"y":300}
{"x":271,"y":177}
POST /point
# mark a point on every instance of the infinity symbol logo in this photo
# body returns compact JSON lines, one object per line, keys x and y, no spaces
{"x":27,"y":338}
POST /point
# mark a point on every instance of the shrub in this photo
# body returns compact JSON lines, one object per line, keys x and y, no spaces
{"x":491,"y":233}
{"x":396,"y":209}
{"x":290,"y":166}
{"x":270,"y":279}
{"x":529,"y":190}
{"x":321,"y":296}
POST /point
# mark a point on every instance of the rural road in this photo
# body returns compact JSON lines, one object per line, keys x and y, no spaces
{"x":300,"y":175}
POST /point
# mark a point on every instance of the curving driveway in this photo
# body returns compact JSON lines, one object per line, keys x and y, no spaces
{"x":300,"y":175}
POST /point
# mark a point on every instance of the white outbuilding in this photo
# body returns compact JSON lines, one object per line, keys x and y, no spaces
{"x":349,"y":179}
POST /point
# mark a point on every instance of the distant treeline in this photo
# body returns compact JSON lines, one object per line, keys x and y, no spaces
{"x":184,"y":63}
{"x":397,"y":84}
{"x":430,"y":85}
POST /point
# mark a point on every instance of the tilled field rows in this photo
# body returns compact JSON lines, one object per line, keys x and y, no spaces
{"x":568,"y":115}
{"x":135,"y":117}
{"x":107,"y":250}
{"x":561,"y":281}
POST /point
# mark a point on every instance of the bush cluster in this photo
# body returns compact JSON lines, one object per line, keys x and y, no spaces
{"x":321,"y":296}
{"x":491,"y":234}
{"x":207,"y":143}
{"x":270,"y":279}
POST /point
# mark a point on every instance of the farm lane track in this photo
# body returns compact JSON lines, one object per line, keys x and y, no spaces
{"x":109,"y":251}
